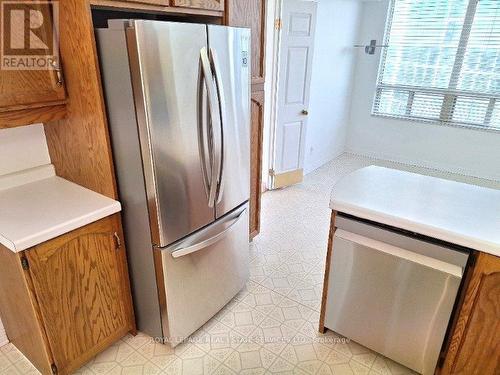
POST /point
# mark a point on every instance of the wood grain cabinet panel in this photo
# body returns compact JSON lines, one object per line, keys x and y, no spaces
{"x":19,"y":312}
{"x":76,"y":301}
{"x":474,"y":347}
{"x":251,"y":14}
{"x":199,"y":4}
{"x":257,"y":131}
{"x":28,"y":88}
{"x":153,"y":2}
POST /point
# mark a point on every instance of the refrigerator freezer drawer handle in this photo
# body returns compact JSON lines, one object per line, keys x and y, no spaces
{"x":382,"y":247}
{"x":232,"y":221}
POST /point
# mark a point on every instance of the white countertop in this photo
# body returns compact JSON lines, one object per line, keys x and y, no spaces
{"x":455,"y":212}
{"x":36,"y":206}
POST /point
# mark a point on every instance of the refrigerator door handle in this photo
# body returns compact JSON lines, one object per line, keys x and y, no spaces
{"x":206,"y":237}
{"x":215,"y":122}
{"x":223,"y":116}
{"x":203,"y":135}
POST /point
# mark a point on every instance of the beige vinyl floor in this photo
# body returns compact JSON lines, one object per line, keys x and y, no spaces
{"x":271,"y":326}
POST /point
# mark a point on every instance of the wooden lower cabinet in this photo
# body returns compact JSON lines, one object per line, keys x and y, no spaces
{"x":474,"y":346}
{"x":75,"y":296}
{"x":257,"y":132}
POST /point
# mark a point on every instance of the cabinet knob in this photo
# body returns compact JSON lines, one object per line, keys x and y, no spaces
{"x":305,"y":112}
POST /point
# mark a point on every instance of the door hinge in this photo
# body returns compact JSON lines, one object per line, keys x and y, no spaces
{"x":278,"y":23}
{"x":25,"y":264}
{"x":271,"y":172}
{"x":118,"y":242}
{"x":53,"y":367}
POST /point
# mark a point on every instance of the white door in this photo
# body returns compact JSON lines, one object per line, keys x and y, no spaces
{"x":296,"y":47}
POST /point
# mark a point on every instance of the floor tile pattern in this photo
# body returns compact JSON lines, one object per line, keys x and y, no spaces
{"x":271,"y":326}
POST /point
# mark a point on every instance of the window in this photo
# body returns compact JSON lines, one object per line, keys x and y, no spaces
{"x":442,"y":63}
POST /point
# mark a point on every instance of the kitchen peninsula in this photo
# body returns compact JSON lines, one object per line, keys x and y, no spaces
{"x":403,"y":218}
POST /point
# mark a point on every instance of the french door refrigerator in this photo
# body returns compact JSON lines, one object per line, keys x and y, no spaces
{"x":178,"y":102}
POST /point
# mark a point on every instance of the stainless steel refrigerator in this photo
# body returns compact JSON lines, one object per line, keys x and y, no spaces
{"x":178,"y":102}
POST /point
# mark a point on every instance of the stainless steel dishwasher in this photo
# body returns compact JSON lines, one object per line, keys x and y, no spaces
{"x":392,"y":292}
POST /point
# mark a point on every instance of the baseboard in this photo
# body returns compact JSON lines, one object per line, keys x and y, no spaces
{"x":310,"y":169}
{"x":423,"y":164}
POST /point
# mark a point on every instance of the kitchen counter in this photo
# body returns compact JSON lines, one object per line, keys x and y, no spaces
{"x":455,"y":212}
{"x":36,"y":206}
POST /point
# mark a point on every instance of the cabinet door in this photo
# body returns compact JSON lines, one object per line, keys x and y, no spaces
{"x":252,"y":14}
{"x":199,"y":4}
{"x":257,"y":113}
{"x":30,"y":88}
{"x":81,"y":284}
{"x":475,"y":344}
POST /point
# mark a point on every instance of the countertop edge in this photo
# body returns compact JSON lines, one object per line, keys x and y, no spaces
{"x":398,"y":222}
{"x":61,"y":229}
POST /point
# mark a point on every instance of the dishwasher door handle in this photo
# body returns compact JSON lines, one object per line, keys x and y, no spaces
{"x":398,"y":252}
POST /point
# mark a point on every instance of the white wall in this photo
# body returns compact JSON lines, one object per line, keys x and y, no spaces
{"x":454,"y":149}
{"x":22,"y":148}
{"x":331,"y":82}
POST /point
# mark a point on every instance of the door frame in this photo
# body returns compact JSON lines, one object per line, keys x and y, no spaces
{"x":270,"y":122}
{"x":273,"y":94}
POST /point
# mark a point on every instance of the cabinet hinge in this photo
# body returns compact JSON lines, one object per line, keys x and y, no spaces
{"x":278,"y":23}
{"x":25,"y":264}
{"x":53,"y":367}
{"x":118,"y":242}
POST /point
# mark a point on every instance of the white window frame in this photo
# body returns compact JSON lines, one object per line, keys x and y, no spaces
{"x":451,"y":94}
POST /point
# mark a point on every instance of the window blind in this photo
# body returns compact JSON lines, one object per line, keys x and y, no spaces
{"x":442,"y":63}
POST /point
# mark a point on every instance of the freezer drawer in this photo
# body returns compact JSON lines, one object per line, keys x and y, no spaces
{"x":204,"y":272}
{"x":392,"y":300}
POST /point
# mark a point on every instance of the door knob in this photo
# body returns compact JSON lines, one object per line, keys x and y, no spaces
{"x":305,"y":112}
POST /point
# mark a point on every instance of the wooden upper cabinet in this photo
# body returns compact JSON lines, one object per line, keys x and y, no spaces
{"x":474,"y":347}
{"x":25,"y":84}
{"x":199,"y":4}
{"x":81,"y":278}
{"x":152,"y":2}
{"x":252,"y":14}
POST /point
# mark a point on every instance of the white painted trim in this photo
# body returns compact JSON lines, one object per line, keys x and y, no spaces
{"x":273,"y":113}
